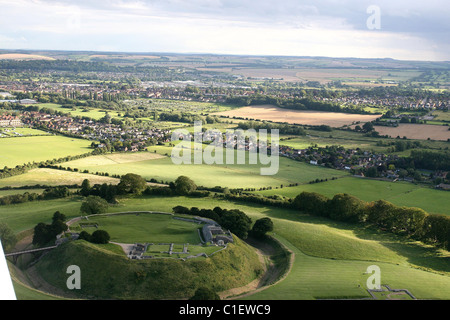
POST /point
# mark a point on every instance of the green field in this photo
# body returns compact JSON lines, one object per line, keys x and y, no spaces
{"x":53,"y":177}
{"x":21,"y":132}
{"x":399,"y":193}
{"x":330,"y":257}
{"x":92,"y":113}
{"x":22,"y":150}
{"x":441,"y":115}
{"x":144,"y":228}
{"x":232,"y":176}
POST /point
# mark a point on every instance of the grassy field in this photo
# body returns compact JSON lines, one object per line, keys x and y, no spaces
{"x":232,"y":176}
{"x":92,"y":113}
{"x":22,"y":150}
{"x":169,"y":106}
{"x":144,"y":228}
{"x":21,"y":132}
{"x":53,"y":177}
{"x":399,"y":193}
{"x":330,"y":257}
{"x":442,"y":115}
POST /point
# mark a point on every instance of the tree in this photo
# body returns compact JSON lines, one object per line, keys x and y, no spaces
{"x":205,"y":294}
{"x":100,"y":237}
{"x":58,"y":216}
{"x":261,"y":227}
{"x":7,"y":236}
{"x":44,"y":233}
{"x":94,"y":205}
{"x":368,"y":127}
{"x":131,"y":183}
{"x":85,"y":188}
{"x":184,"y":185}
{"x":84,"y":235}
{"x":345,"y":207}
{"x":237,"y":222}
{"x":311,"y":202}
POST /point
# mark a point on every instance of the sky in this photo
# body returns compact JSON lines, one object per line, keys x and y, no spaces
{"x":398,"y":29}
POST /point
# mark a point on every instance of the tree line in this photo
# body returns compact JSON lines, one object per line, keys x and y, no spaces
{"x":381,"y":214}
{"x":234,"y":220}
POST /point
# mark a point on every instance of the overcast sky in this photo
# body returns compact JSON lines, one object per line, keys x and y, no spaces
{"x":408,"y":30}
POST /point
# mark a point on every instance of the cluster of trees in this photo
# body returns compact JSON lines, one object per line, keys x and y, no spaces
{"x":45,"y":233}
{"x":180,"y":117}
{"x":94,"y":205}
{"x":283,"y":128}
{"x":425,"y":159}
{"x":258,"y":199}
{"x":7,"y":237}
{"x":49,"y":193}
{"x":234,"y":220}
{"x":412,"y":222}
{"x":182,"y":186}
{"x":130,"y":183}
{"x":98,"y":236}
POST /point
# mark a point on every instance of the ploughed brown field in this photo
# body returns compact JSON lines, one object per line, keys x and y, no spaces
{"x":416,"y":131}
{"x":306,"y":117}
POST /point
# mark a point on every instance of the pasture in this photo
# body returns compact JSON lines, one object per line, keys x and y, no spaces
{"x":143,"y":228}
{"x":21,"y":132}
{"x":19,"y":151}
{"x":53,"y":177}
{"x":331,"y":258}
{"x":399,"y":193}
{"x":92,"y":113}
{"x":305,"y":117}
{"x":224,"y":175}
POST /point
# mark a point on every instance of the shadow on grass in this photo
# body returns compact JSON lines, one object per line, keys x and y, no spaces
{"x":415,"y":252}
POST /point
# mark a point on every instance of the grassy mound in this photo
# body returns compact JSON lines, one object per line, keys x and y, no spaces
{"x":106,"y":273}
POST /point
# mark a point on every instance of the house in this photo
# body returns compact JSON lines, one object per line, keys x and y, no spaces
{"x":443,"y":186}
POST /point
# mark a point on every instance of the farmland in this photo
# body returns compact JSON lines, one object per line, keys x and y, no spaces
{"x":230,"y":175}
{"x":20,"y":56}
{"x":416,"y":131}
{"x":21,"y":150}
{"x":330,"y":258}
{"x":147,"y":96}
{"x":400,"y":193}
{"x":275,"y":114}
{"x":53,"y":177}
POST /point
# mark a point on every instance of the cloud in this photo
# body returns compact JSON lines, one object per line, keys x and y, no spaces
{"x":409,"y":30}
